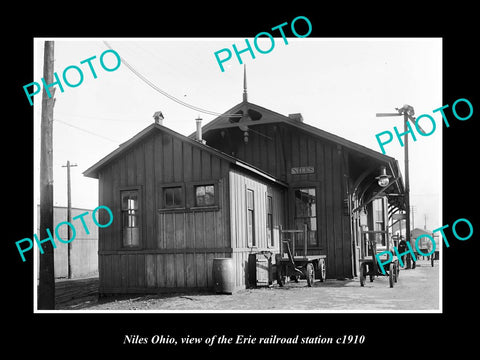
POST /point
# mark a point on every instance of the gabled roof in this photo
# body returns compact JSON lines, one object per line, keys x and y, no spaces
{"x":268,"y":116}
{"x":224,"y":121}
{"x":127,"y":145}
{"x":252,"y":114}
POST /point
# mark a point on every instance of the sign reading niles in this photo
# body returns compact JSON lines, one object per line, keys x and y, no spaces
{"x":302,"y":170}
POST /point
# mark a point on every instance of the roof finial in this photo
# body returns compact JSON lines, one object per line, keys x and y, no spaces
{"x":244,"y":82}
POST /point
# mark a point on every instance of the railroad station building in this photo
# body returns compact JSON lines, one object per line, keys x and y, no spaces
{"x":226,"y":191}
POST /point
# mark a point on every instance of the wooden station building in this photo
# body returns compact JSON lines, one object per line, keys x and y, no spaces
{"x":226,"y":190}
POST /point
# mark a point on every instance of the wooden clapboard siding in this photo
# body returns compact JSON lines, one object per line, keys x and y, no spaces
{"x":168,"y":164}
{"x":177,"y":247}
{"x":151,"y":270}
{"x":289,"y":147}
{"x":102,"y":196}
{"x":161,"y":272}
{"x":337,"y":211}
{"x":149,"y":201}
{"x":192,"y":229}
{"x":271,"y":152}
{"x":239,"y":183}
{"x":177,"y":160}
{"x":240,"y":260}
{"x":321,"y":201}
{"x":187,"y":161}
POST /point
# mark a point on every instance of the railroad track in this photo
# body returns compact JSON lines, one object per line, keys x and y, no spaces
{"x":68,"y":290}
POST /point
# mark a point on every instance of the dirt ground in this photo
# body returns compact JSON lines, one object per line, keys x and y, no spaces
{"x":416,"y":289}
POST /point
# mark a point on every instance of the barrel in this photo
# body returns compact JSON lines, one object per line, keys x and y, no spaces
{"x":223,"y":275}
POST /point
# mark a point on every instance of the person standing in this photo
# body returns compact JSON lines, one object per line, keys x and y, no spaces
{"x":402,"y":246}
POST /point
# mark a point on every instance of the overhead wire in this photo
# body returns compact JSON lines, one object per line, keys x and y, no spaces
{"x":164,"y":93}
{"x":93,"y":117}
{"x":84,"y":130}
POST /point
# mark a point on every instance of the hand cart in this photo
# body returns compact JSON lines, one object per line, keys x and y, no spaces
{"x":369,"y":265}
{"x":294,"y":266}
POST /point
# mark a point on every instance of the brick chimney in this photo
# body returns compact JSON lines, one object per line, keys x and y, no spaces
{"x":198,"y":135}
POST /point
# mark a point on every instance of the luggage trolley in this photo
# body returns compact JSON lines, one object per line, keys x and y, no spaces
{"x":295,"y":266}
{"x":368,"y":263}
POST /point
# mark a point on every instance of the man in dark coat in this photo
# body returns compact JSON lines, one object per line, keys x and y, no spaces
{"x":402,"y":246}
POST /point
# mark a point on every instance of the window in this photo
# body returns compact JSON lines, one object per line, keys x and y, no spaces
{"x":306,"y":212}
{"x":270,"y":239}
{"x":250,"y":218}
{"x":378,"y":220}
{"x":130,"y":218}
{"x":205,"y":195}
{"x":173,"y":197}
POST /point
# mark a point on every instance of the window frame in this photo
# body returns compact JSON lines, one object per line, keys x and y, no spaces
{"x":309,"y":222}
{"x":139,"y":214}
{"x":379,"y":211}
{"x":270,"y":219}
{"x":215,"y":190}
{"x":189,"y":196}
{"x":162,"y":194}
{"x":251,"y":239}
{"x":192,"y":196}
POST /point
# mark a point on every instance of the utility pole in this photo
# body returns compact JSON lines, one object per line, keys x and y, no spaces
{"x":46,"y":287}
{"x":69,"y":217}
{"x":413,"y":209}
{"x":407,"y":111}
{"x":407,"y":188}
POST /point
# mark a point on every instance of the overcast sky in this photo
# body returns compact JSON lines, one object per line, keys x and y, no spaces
{"x":337,"y":84}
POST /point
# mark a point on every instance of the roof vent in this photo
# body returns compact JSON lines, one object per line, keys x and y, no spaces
{"x":297,"y":117}
{"x":158,"y":116}
{"x":254,"y":115}
{"x":236,"y":119}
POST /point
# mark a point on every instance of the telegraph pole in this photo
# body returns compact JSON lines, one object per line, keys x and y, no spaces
{"x":46,"y":287}
{"x":69,"y":217}
{"x":413,"y":208}
{"x":407,"y":188}
{"x":407,"y":111}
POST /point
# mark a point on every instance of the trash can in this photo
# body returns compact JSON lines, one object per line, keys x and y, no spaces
{"x":223,"y":275}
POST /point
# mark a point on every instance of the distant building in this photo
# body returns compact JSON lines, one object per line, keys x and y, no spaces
{"x":424,"y":242}
{"x":84,"y":257}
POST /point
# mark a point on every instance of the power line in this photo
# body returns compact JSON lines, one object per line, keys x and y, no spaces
{"x":94,"y":117}
{"x":87,"y":131}
{"x":164,"y":93}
